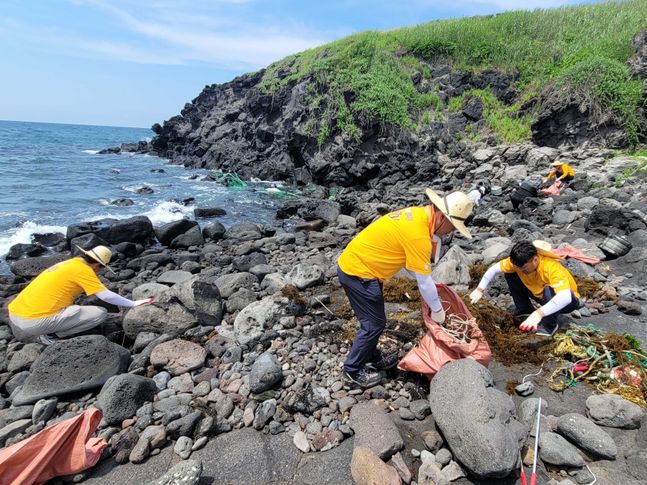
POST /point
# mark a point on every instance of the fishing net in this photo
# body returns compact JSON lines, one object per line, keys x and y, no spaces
{"x":229,"y":179}
{"x":612,"y":363}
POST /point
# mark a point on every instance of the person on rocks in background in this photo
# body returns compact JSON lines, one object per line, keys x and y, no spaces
{"x":407,"y":238}
{"x":534,"y":273}
{"x":562,"y":172}
{"x":44,"y":308}
{"x":476,"y":195}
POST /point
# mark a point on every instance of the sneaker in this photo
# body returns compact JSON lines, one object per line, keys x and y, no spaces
{"x":48,"y":339}
{"x":546,"y":330}
{"x":363,"y":378}
{"x":386,"y":362}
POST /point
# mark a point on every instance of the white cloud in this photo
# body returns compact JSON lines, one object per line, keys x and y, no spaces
{"x":184,"y":32}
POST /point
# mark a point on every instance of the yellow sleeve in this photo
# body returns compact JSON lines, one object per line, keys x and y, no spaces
{"x":87,"y":279}
{"x":551,"y":175}
{"x":418,"y":255}
{"x":506,"y":265}
{"x":557,"y":277}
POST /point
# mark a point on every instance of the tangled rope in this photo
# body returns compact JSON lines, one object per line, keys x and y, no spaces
{"x":458,"y":328}
{"x":612,"y":363}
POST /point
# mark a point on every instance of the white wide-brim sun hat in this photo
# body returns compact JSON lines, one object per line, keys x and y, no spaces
{"x":456,"y":206}
{"x":545,"y":249}
{"x":100,"y":254}
{"x":557,"y":163}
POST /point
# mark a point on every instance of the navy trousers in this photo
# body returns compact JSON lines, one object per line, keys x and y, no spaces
{"x":522,"y":295}
{"x":367,"y":301}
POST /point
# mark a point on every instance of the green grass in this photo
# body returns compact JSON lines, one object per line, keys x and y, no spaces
{"x":583,"y":48}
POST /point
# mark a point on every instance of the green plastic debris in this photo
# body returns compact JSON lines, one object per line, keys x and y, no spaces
{"x":229,"y":179}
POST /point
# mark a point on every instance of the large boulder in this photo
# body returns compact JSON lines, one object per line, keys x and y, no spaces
{"x":193,"y":237}
{"x":30,"y":267}
{"x":453,"y":268}
{"x":230,"y":283}
{"x":305,"y":275}
{"x":73,"y":365}
{"x":587,"y":435}
{"x":138,"y":229}
{"x":374,"y":429}
{"x":122,"y":395}
{"x":613,"y":411}
{"x":244,"y":232}
{"x":252,"y":320}
{"x":174,"y":320}
{"x":201,"y":298}
{"x":167,"y":232}
{"x":555,"y":450}
{"x":478,"y":422}
{"x":21,"y":250}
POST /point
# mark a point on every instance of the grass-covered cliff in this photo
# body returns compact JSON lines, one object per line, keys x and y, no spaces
{"x":579,"y":53}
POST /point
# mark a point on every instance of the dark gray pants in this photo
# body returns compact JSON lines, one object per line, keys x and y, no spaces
{"x":522,"y":295}
{"x":367,"y":301}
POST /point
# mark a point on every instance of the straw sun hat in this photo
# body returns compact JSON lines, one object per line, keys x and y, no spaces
{"x":557,"y":163}
{"x":100,"y":254}
{"x":545,"y":249}
{"x":456,"y":206}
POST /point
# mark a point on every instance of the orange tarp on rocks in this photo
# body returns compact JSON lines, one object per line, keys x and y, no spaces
{"x":63,"y":448}
{"x":437,"y":347}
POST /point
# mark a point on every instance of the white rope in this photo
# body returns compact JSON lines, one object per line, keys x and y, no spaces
{"x":532,"y":375}
{"x":595,"y":479}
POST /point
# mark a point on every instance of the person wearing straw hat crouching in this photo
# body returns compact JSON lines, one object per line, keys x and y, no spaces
{"x":562,"y":172}
{"x":44,"y":308}
{"x":400,"y":239}
{"x":533,"y":272}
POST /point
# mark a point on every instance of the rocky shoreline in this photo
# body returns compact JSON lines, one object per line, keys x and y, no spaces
{"x":250,"y":330}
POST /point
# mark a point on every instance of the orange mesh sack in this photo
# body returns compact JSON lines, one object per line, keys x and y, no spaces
{"x":437,"y":347}
{"x":63,"y":448}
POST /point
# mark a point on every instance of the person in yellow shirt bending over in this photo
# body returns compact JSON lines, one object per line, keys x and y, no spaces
{"x":400,"y":239}
{"x":562,"y":172}
{"x":534,"y":273}
{"x":45,"y":307}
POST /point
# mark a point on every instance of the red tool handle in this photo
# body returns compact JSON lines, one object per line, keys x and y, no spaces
{"x":523,"y":478}
{"x":533,"y":479}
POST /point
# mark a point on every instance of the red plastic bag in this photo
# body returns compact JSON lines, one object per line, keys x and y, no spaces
{"x":553,"y":189}
{"x":437,"y":347}
{"x":63,"y":448}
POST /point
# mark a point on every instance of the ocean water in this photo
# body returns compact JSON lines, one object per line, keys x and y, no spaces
{"x":51,"y":176}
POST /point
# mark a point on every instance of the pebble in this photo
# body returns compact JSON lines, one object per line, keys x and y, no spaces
{"x":183,"y":447}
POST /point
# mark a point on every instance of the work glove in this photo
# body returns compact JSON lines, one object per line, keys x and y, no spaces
{"x":439,"y":316}
{"x":476,"y":295}
{"x":531,"y":323}
{"x":144,"y":302}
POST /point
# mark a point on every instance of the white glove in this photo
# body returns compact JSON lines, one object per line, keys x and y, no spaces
{"x":531,"y":323}
{"x":476,"y":295}
{"x":144,"y":302}
{"x":439,"y":316}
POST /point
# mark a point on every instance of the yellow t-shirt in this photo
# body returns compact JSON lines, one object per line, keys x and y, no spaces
{"x":396,"y":240}
{"x":550,"y":272}
{"x":56,"y":288}
{"x":565,"y":169}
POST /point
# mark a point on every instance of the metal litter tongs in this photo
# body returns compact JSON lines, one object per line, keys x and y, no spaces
{"x":533,"y":477}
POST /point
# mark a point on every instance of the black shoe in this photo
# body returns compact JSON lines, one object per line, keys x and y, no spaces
{"x":386,"y":362}
{"x":363,"y":378}
{"x":547,"y":330}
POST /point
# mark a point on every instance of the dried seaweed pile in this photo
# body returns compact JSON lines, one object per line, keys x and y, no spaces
{"x":508,"y":344}
{"x":612,"y":363}
{"x":476,"y":273}
{"x":588,"y":288}
{"x":402,"y":290}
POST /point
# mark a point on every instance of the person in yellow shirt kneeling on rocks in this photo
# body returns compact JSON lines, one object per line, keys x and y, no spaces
{"x":45,"y":307}
{"x":534,"y":273}
{"x":562,"y":172}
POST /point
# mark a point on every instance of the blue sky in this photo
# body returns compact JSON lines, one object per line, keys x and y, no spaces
{"x":137,"y":62}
